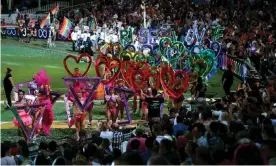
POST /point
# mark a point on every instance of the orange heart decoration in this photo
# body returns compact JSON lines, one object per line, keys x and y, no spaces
{"x":77,"y":60}
{"x":173,"y":87}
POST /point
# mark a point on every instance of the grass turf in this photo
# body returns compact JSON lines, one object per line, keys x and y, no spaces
{"x":26,"y":59}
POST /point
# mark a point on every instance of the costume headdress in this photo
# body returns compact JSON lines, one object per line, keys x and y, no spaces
{"x":41,"y":78}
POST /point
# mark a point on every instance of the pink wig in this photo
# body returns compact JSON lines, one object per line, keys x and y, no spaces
{"x":41,"y":78}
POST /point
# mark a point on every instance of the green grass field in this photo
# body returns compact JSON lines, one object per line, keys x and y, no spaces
{"x":26,"y":59}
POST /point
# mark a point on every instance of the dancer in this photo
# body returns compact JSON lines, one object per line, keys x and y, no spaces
{"x":121,"y":105}
{"x":44,"y":96}
{"x":145,"y":93}
{"x":25,"y":117}
{"x":112,"y":102}
{"x":178,"y":87}
{"x":193,"y":75}
{"x":79,"y":116}
{"x":21,"y":30}
{"x":90,"y":107}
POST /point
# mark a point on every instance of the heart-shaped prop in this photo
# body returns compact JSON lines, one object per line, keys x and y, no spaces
{"x":154,"y":78}
{"x":126,"y":68}
{"x":110,"y":65}
{"x":77,"y":60}
{"x":171,"y":50}
{"x":138,"y":78}
{"x":109,"y":48}
{"x":178,"y":83}
{"x":126,"y":56}
{"x":203,"y":62}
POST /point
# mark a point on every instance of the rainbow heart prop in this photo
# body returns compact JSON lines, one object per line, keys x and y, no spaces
{"x":203,"y":63}
{"x":169,"y":86}
{"x":77,"y":60}
{"x":111,"y":65}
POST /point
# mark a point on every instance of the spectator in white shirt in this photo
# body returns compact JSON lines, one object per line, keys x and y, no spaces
{"x":6,"y":159}
{"x":105,"y":132}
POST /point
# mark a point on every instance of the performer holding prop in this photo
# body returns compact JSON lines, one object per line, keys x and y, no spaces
{"x":89,"y":109}
{"x":177,"y":87}
{"x":26,"y":118}
{"x":112,"y":101}
{"x":79,"y":116}
{"x":44,"y":96}
{"x":145,"y":93}
{"x":121,"y":107}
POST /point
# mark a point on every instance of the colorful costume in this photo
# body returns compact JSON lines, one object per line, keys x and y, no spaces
{"x":44,"y":97}
{"x":25,"y":117}
{"x":112,"y":103}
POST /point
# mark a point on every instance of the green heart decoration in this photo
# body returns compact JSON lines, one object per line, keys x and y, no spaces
{"x":171,"y":50}
{"x":203,"y":62}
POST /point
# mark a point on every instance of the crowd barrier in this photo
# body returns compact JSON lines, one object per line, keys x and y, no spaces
{"x":240,"y":68}
{"x":41,"y":33}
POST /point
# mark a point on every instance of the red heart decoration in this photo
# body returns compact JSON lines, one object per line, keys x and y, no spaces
{"x":137,"y":86}
{"x":110,"y":64}
{"x":77,"y":60}
{"x":126,"y":69}
{"x":167,"y":86}
{"x":154,"y":76}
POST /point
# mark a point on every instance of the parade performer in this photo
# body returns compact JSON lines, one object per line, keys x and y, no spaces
{"x":21,"y":30}
{"x":90,"y":107}
{"x":79,"y":116}
{"x":74,"y":37}
{"x":112,"y":101}
{"x":145,"y":93}
{"x":29,"y":34}
{"x":121,"y":106}
{"x":177,"y":87}
{"x":193,"y":75}
{"x":33,"y":30}
{"x":44,"y":96}
{"x":25,"y":117}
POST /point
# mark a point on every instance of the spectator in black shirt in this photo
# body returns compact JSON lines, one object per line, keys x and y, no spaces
{"x":227,"y":79}
{"x":54,"y":152}
{"x":200,"y":90}
{"x":8,"y":86}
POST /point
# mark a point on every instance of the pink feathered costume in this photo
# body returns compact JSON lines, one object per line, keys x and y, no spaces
{"x":25,"y":117}
{"x":43,"y":82}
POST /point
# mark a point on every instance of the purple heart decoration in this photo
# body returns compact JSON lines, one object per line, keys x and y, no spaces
{"x":125,"y":94}
{"x":95,"y":81}
{"x":28,"y":133}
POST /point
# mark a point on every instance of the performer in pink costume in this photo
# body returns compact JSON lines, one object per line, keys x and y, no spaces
{"x":25,"y":117}
{"x":85,"y":94}
{"x":112,"y":102}
{"x":121,"y":84}
{"x":79,"y":116}
{"x":44,"y":97}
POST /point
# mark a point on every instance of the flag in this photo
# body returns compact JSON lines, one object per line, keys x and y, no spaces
{"x":92,"y":25}
{"x":55,"y":9}
{"x":45,"y":21}
{"x":66,"y":27}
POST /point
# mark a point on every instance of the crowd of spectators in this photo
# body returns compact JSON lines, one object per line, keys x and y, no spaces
{"x":237,"y":129}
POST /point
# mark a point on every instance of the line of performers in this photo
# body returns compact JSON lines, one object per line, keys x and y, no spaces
{"x":113,"y":101}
